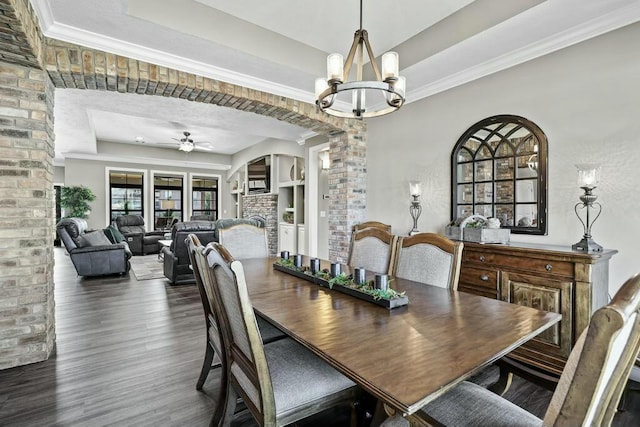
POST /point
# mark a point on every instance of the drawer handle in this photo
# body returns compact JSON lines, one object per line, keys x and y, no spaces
{"x":482,"y":258}
{"x":484,"y":278}
{"x":548,"y":267}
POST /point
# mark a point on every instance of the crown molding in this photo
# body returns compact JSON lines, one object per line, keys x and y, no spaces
{"x":143,"y":161}
{"x":590,"y":29}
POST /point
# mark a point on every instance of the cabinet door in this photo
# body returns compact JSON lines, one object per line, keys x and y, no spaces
{"x":287,"y":238}
{"x":548,"y":294}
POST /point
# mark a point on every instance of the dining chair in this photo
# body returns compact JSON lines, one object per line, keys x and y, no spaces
{"x":281,"y":382}
{"x":429,"y":258}
{"x":589,"y":388}
{"x":372,"y":224}
{"x":213,"y":348}
{"x":245,"y":241}
{"x":372,"y":249}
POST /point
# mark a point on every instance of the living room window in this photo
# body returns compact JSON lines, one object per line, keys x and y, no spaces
{"x":204,"y":197}
{"x":126,"y":193}
{"x":167,"y":201}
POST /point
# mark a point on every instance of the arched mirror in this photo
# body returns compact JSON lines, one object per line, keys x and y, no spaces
{"x":499,"y":169}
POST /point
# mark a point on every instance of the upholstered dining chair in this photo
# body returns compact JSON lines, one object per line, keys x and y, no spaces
{"x":213,"y":349}
{"x":372,"y":249}
{"x":245,"y":241}
{"x":589,"y":388}
{"x":429,"y":258}
{"x":281,"y":382}
{"x":372,"y":224}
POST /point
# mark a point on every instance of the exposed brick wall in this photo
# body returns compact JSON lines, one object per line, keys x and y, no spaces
{"x":347,"y":187}
{"x":265,"y":205}
{"x":26,"y":216}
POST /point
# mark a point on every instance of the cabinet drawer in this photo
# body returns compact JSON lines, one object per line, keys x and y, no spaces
{"x":533,"y":265}
{"x":485,"y":278}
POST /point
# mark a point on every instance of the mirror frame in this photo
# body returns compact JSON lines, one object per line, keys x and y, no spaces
{"x":540,"y":228}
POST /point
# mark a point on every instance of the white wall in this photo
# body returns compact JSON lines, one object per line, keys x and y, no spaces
{"x":586,"y":99}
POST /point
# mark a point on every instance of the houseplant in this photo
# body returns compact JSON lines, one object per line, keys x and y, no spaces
{"x":75,"y":200}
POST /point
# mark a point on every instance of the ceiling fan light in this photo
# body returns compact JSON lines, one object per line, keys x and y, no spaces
{"x":187,"y":147}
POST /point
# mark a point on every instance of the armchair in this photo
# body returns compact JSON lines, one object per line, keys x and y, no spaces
{"x":176,"y":257}
{"x":92,"y":254}
{"x":140,"y":242}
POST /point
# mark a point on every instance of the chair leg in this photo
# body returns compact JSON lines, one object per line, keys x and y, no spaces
{"x":224,"y":413}
{"x":504,"y":381}
{"x":206,"y":366}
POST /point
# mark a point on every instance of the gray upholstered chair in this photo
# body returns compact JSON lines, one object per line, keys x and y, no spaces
{"x":372,"y":224}
{"x":213,"y":349}
{"x":141,"y":242}
{"x":202,"y":217}
{"x":245,"y":241}
{"x":280,"y":382}
{"x":589,"y":388}
{"x":429,"y":258}
{"x":372,"y":249}
{"x":92,"y":254}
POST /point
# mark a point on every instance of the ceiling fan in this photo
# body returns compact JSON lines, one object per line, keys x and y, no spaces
{"x":187,"y":144}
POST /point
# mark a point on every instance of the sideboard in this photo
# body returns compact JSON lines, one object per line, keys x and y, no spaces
{"x":551,"y":278}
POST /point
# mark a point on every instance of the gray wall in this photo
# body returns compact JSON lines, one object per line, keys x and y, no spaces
{"x":586,"y":99}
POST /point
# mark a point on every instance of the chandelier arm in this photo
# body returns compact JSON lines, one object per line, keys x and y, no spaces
{"x":372,"y":58}
{"x":352,"y":52}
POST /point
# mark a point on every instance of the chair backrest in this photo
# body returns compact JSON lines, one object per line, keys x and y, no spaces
{"x":202,"y":217}
{"x":245,"y":241}
{"x":598,"y":367}
{"x":372,"y":249}
{"x":130,"y":224}
{"x":247,"y":364}
{"x":205,"y":288}
{"x":372,"y":224}
{"x":429,"y":258}
{"x":204,"y":230}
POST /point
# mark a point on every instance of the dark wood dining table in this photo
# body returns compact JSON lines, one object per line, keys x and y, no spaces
{"x":406,"y":356}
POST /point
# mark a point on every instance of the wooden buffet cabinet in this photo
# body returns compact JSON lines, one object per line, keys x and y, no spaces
{"x":551,"y":278}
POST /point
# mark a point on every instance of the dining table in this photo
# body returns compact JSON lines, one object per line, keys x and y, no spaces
{"x":406,"y":356}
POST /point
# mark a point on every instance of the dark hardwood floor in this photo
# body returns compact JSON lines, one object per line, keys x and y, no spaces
{"x":129,"y":353}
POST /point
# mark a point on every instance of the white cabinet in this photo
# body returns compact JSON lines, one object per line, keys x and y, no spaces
{"x":302,"y":240}
{"x":286,"y":237}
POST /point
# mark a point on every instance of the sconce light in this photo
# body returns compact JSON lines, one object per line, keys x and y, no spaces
{"x":324,"y":159}
{"x":415,"y":190}
{"x":588,"y":179}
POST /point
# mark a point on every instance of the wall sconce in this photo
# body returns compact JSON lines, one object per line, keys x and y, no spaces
{"x":588,"y":179}
{"x":324,"y":160}
{"x":415,"y":190}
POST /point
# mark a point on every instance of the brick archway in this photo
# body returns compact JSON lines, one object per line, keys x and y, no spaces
{"x":31,"y":66}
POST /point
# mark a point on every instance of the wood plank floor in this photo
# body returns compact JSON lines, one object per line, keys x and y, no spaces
{"x":129,"y":353}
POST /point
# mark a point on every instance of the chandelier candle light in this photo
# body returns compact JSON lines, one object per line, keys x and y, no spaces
{"x":388,"y":83}
{"x":415,"y":189}
{"x":588,"y":179}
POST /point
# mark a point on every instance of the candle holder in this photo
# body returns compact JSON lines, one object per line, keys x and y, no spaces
{"x":415,"y":189}
{"x":588,"y":178}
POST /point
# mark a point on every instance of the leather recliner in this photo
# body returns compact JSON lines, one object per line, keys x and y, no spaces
{"x":140,"y":242}
{"x":176,"y":256}
{"x":96,"y":258}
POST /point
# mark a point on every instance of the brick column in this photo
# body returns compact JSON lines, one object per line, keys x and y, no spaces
{"x":265,"y":205}
{"x":347,"y":187}
{"x":26,"y":216}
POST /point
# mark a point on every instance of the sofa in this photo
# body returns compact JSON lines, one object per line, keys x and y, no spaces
{"x":92,"y":253}
{"x":141,"y":242}
{"x":176,"y":257}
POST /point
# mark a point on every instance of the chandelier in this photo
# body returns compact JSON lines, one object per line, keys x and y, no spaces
{"x":388,"y":83}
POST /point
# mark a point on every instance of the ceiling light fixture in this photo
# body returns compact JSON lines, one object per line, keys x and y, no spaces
{"x":186,"y":146}
{"x":389,"y":83}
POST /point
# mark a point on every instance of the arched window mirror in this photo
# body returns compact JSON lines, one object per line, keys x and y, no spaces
{"x":499,"y":169}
